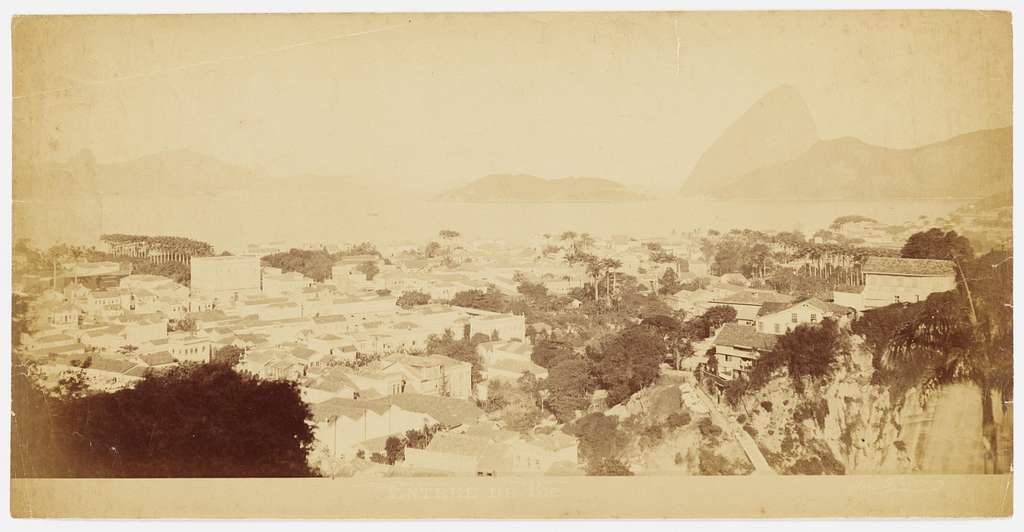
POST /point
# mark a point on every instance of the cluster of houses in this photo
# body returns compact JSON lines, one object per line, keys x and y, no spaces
{"x":358,"y":357}
{"x":762,"y":316}
{"x":361,"y":360}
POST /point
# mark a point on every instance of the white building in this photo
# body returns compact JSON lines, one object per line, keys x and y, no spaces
{"x":225,"y":278}
{"x":889,"y":280}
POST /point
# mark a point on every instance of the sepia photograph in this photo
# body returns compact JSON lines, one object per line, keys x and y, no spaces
{"x":404,"y":261}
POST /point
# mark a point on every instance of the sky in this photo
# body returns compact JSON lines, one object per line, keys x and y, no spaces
{"x":429,"y":101}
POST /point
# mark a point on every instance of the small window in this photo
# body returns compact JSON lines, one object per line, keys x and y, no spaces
{"x":778,"y":328}
{"x":793,"y":317}
{"x":814,"y":318}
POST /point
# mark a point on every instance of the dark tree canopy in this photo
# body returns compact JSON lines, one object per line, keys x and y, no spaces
{"x":493,"y":299}
{"x":229,"y":355}
{"x":628,"y":362}
{"x":601,"y":444}
{"x":937,"y":244}
{"x":315,"y":264}
{"x":569,"y":388}
{"x":669,"y":283}
{"x":413,"y":298}
{"x":809,"y":350}
{"x":546,"y":353}
{"x":719,"y":315}
{"x":196,"y":420}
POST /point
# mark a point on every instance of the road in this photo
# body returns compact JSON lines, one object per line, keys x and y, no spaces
{"x":952,"y":442}
{"x":747,"y":443}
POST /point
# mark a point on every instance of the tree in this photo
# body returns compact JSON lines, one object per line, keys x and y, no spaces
{"x":20,"y":322}
{"x":493,"y":299}
{"x":127,"y":349}
{"x":601,"y":444}
{"x":546,"y":353}
{"x":183,"y":325}
{"x":432,"y":250}
{"x":315,"y":264}
{"x":394,"y":450}
{"x":194,"y":420}
{"x":412,"y":298}
{"x":463,"y":350}
{"x":628,"y":362}
{"x":535,"y":292}
{"x":669,"y":283}
{"x":673,"y":335}
{"x":809,"y":350}
{"x":937,"y":244}
{"x":569,"y":387}
{"x":448,"y":234}
{"x":229,"y":354}
{"x":719,"y":315}
{"x":369,"y":269}
{"x":947,"y":343}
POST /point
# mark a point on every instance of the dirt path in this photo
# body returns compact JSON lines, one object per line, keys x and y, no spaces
{"x":747,"y":443}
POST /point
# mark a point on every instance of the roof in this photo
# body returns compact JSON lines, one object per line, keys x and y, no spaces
{"x":824,"y":306}
{"x":447,"y":442}
{"x":111,"y":365}
{"x":350,"y":408}
{"x":734,"y":334}
{"x":157,"y":359}
{"x":753,"y":297}
{"x":446,"y":410}
{"x":901,"y":266}
{"x":517,"y":367}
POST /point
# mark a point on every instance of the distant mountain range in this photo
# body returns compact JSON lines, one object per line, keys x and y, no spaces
{"x":776,"y":155}
{"x":528,"y":188}
{"x":169,"y":173}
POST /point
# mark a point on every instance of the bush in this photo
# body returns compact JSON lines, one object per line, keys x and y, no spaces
{"x":750,"y":430}
{"x":651,"y":436}
{"x":767,"y":406}
{"x":812,"y":410}
{"x":708,"y":429}
{"x":609,"y":467}
{"x":677,"y":419}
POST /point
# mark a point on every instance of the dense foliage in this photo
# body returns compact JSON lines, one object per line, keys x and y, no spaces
{"x":602,"y":445}
{"x":462,"y":349}
{"x":808,"y":351}
{"x":412,"y":298}
{"x":938,"y":244}
{"x":627,"y":362}
{"x":196,"y":420}
{"x":315,"y":264}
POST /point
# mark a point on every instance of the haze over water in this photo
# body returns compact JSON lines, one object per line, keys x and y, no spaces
{"x":231,"y":221}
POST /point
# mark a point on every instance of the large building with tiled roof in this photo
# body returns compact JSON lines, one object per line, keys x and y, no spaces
{"x":889,"y":280}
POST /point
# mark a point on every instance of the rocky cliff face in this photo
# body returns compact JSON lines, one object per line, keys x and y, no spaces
{"x":844,"y":426}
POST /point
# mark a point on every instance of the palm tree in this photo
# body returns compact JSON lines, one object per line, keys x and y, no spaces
{"x":609,"y":266}
{"x":570,"y":236}
{"x":951,"y":343}
{"x":595,"y":267}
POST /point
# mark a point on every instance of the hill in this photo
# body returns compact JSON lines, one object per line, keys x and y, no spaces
{"x":171,"y":173}
{"x":778,"y":127}
{"x":971,"y":165}
{"x":528,"y":188}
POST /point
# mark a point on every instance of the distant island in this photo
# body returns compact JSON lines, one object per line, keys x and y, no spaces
{"x":528,"y":188}
{"x":773,"y":152}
